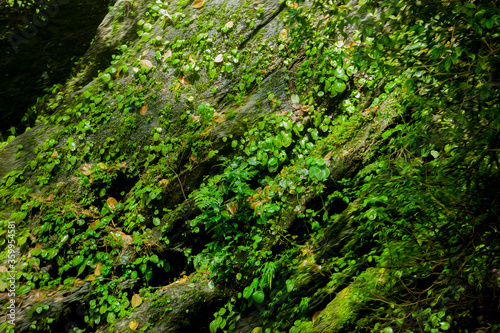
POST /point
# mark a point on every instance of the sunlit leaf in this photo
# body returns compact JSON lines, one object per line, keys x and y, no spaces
{"x":133,"y":325}
{"x":198,"y":4}
{"x":136,"y":300}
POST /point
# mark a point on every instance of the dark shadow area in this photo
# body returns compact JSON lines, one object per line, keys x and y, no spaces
{"x":39,"y":51}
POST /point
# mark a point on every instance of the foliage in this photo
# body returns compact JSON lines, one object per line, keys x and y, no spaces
{"x":272,"y":222}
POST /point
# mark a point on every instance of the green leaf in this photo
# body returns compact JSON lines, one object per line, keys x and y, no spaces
{"x":154,"y":258}
{"x":258,"y":296}
{"x":295,"y":99}
{"x":77,"y":261}
{"x":247,"y":292}
{"x":106,"y":77}
{"x":213,"y":326}
{"x":286,"y":139}
{"x":272,"y":164}
{"x":339,"y":86}
{"x":289,"y":285}
{"x":319,"y":173}
{"x":24,"y":289}
{"x":444,"y":325}
{"x":156,"y":221}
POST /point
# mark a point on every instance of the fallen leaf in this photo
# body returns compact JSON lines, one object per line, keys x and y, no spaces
{"x":219,"y":58}
{"x":127,"y":239}
{"x":146,"y":63}
{"x":34,"y":265}
{"x":143,"y":110}
{"x":122,"y":164}
{"x":145,"y":53}
{"x":191,"y":59}
{"x":315,"y":316}
{"x":177,"y":86}
{"x":183,"y":280}
{"x":167,"y":55}
{"x":229,"y":24}
{"x":164,"y":182}
{"x":232,"y":208}
{"x":3,"y":269}
{"x":136,"y":300}
{"x":193,"y":158}
{"x":328,"y":156}
{"x":305,"y":108}
{"x":90,"y":278}
{"x":198,"y":4}
{"x":183,"y":81}
{"x":85,"y":169}
{"x":54,"y":154}
{"x":112,"y":203}
{"x":133,"y":325}
{"x":78,"y":282}
{"x":97,"y":270}
{"x":283,"y":34}
{"x":94,"y":225}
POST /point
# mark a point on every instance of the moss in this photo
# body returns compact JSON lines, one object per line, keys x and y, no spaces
{"x":347,"y":303}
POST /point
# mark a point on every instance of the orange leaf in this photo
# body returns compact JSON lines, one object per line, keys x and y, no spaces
{"x":143,"y":109}
{"x":90,"y":278}
{"x":97,"y":270}
{"x":133,"y":325}
{"x":54,"y":154}
{"x":136,"y":300}
{"x":112,"y":203}
{"x":198,"y":4}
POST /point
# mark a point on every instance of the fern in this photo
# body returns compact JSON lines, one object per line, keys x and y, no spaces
{"x":207,"y":196}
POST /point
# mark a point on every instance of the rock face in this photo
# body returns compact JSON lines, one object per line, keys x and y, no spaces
{"x":209,"y":168}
